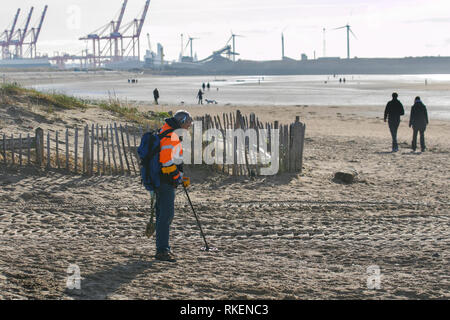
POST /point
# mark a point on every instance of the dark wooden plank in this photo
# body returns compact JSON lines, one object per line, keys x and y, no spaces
{"x":39,"y":138}
{"x":29,"y":149}
{"x":135,"y":151}
{"x":76,"y":151}
{"x":286,"y":143}
{"x":19,"y":143}
{"x":20,"y":149}
{"x":85,"y":148}
{"x":282,"y":149}
{"x":98,"y":149}
{"x":4,"y":150}
{"x":12,"y":151}
{"x":124,"y":150}
{"x":127,"y":133}
{"x":67,"y":151}
{"x":302,"y":146}
{"x":57,"y":150}
{"x":119,"y":151}
{"x":103,"y":150}
{"x":92,"y":158}
{"x":48,"y":150}
{"x":113,"y":149}
{"x":108,"y":149}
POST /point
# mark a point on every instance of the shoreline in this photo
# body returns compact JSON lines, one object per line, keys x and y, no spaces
{"x":245,"y":91}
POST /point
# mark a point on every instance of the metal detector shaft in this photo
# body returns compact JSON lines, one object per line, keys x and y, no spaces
{"x":196,"y":218}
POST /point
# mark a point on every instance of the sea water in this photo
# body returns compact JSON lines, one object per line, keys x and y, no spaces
{"x":310,"y":90}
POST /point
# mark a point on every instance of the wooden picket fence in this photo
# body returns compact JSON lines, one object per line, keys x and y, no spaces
{"x":112,"y":149}
{"x":291,"y":143}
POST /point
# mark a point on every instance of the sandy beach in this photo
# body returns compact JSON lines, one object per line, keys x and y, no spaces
{"x":290,"y":236}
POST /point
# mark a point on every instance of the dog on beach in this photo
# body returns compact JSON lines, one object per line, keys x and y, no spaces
{"x":210,"y":101}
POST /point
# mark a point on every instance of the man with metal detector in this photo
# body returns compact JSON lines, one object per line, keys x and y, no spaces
{"x":161,"y":173}
{"x":171,"y":177}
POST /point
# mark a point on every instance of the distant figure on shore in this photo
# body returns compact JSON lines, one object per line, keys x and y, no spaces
{"x":394,"y":110}
{"x":340,"y":80}
{"x":208,"y":86}
{"x":156,"y":95}
{"x":418,"y":120}
{"x":203,"y":87}
{"x":200,"y":96}
{"x":344,"y":80}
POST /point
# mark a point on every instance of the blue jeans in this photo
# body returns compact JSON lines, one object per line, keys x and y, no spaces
{"x":165,"y":208}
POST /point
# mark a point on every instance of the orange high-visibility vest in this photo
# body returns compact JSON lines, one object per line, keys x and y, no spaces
{"x":171,"y":150}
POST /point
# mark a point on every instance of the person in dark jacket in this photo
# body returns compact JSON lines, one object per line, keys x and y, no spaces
{"x":394,"y":110}
{"x":156,"y":95}
{"x":200,"y":96}
{"x":418,"y":121}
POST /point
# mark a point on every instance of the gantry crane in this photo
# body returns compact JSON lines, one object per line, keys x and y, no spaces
{"x":108,"y":40}
{"x":137,"y":25}
{"x":35,"y":32}
{"x":6,"y":37}
{"x":19,"y":37}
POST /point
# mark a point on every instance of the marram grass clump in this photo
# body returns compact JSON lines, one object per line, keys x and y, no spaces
{"x":51,"y":100}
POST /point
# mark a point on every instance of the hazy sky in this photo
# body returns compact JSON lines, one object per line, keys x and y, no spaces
{"x":384,"y":28}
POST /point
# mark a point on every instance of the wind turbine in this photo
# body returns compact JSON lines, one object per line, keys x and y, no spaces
{"x":233,"y":37}
{"x":149,"y":43}
{"x":282,"y":43}
{"x":191,"y":40}
{"x":348,"y":38}
{"x":182,"y":47}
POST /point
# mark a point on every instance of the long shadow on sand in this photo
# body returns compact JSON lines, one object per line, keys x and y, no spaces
{"x":406,"y":153}
{"x":384,"y":152}
{"x":99,"y":285}
{"x":214,"y":178}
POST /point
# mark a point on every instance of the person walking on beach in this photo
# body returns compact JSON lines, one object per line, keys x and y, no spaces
{"x":418,"y":120}
{"x":208,"y":86}
{"x":394,"y":110}
{"x":156,"y":95}
{"x":200,"y":96}
{"x":170,"y":157}
{"x":203,"y":87}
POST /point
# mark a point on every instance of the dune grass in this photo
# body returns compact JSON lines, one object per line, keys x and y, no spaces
{"x":54,"y":99}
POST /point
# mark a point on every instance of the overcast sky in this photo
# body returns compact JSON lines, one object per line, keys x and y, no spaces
{"x":384,"y":28}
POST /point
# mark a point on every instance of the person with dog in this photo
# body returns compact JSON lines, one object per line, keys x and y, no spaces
{"x":200,"y":96}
